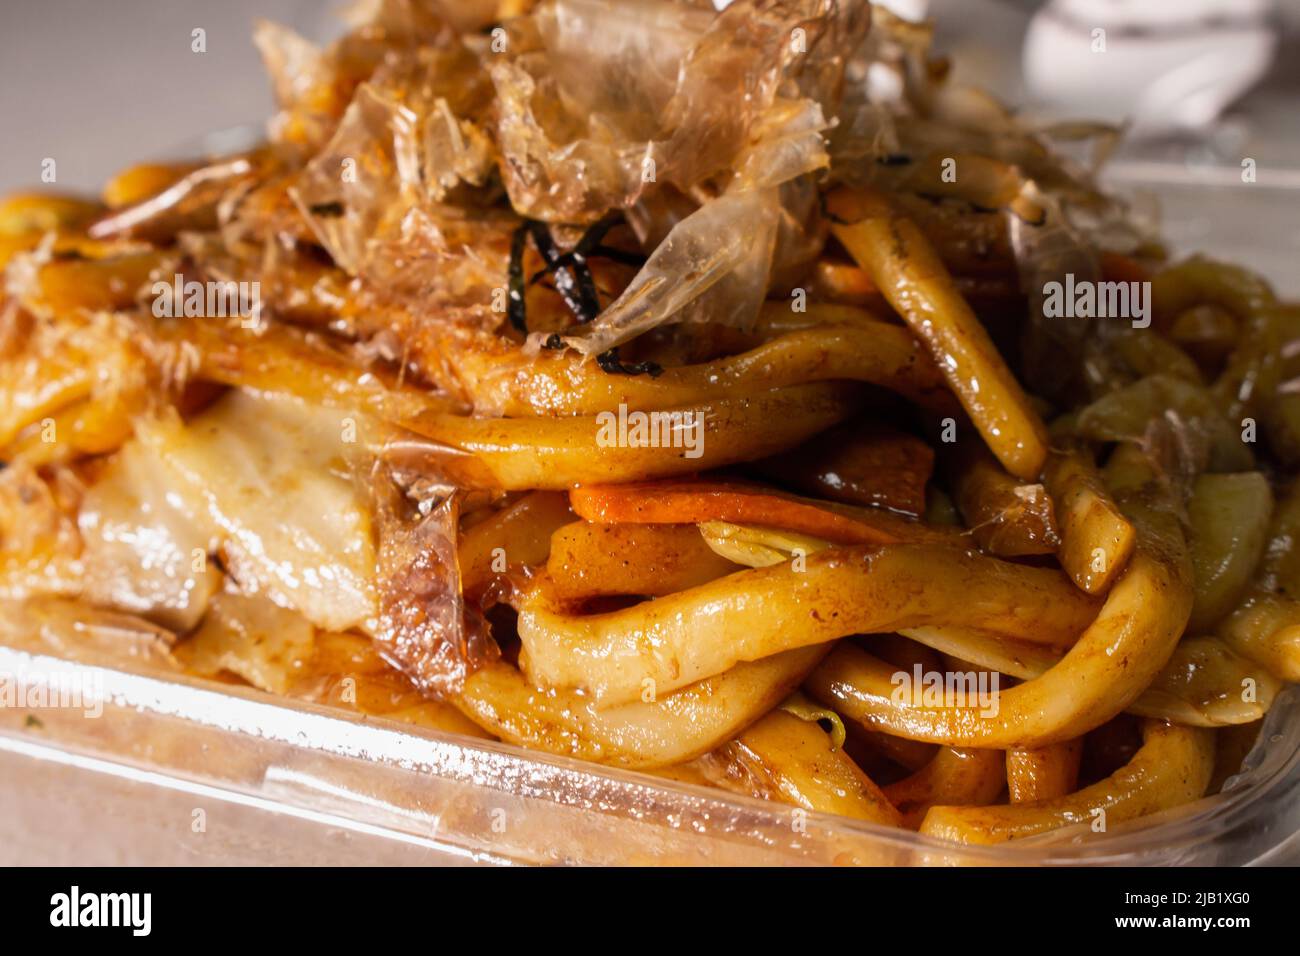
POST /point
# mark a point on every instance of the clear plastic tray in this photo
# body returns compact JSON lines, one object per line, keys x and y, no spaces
{"x":178,"y":770}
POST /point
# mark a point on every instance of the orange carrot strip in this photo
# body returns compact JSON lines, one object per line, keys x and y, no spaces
{"x":690,"y":502}
{"x":1117,"y":267}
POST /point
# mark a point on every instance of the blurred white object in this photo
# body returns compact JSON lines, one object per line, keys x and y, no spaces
{"x":907,"y":9}
{"x":1164,"y":65}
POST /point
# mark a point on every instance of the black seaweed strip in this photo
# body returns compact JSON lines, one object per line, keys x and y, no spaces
{"x":515,"y":308}
{"x":610,"y":363}
{"x":584,"y":307}
{"x":617,"y":255}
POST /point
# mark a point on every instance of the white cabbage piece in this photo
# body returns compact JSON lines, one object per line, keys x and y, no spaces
{"x":758,"y":547}
{"x":75,"y":631}
{"x":252,"y":636}
{"x":274,"y":478}
{"x":145,"y":548}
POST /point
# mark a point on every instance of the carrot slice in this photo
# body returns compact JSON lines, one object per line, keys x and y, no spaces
{"x":1117,"y":267}
{"x":903,"y":263}
{"x":690,"y":502}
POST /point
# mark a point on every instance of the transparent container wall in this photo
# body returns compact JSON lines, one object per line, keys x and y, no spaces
{"x":1210,"y":211}
{"x":176,"y":770}
{"x":181,"y":771}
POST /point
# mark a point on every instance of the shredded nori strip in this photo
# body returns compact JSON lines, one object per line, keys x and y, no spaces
{"x":610,"y":362}
{"x":573,"y":281}
{"x":589,"y":245}
{"x":515,"y":308}
{"x":617,"y":255}
{"x":330,"y":210}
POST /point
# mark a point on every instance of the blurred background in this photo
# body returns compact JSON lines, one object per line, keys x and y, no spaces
{"x":1203,"y":85}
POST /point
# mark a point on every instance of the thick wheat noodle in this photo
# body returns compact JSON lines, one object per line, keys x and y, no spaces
{"x":1043,"y":773}
{"x":1018,"y":659}
{"x":519,"y":454}
{"x":1103,"y":673}
{"x":1201,"y":281}
{"x":1172,"y":767}
{"x":282,"y":360}
{"x":519,"y":535}
{"x":962,"y":777}
{"x":793,"y":760}
{"x":1006,"y":516}
{"x":1201,"y":684}
{"x":907,"y":270}
{"x":1281,"y":566}
{"x":1205,"y":684}
{"x":1266,"y":628}
{"x":516,"y":385}
{"x":1096,"y":538}
{"x":690,"y":635}
{"x":670,"y":730}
